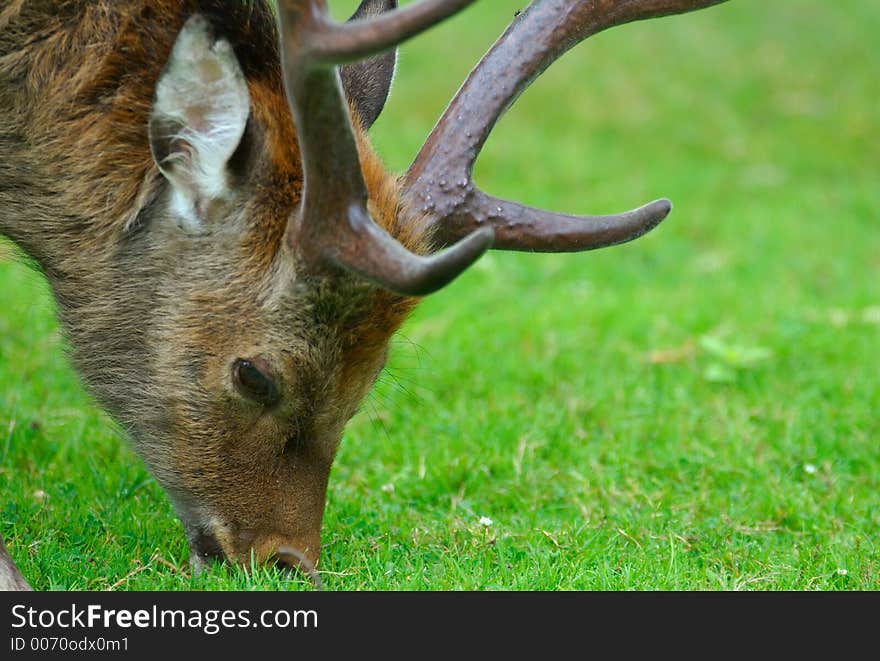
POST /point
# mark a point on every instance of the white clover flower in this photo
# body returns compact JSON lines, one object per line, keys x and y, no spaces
{"x":485,"y":521}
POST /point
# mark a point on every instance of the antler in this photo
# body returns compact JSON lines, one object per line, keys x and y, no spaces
{"x":332,"y":227}
{"x":440,"y":180}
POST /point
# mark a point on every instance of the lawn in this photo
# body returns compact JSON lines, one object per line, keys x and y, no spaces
{"x":696,"y":410}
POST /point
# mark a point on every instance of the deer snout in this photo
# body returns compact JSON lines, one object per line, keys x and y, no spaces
{"x":288,"y":554}
{"x":293,"y":555}
{"x":249,"y":545}
{"x":291,"y":559}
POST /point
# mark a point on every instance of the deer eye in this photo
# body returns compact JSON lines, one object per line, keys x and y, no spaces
{"x":253,"y":379}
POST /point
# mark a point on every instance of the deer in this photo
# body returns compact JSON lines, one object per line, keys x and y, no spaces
{"x":228,"y":255}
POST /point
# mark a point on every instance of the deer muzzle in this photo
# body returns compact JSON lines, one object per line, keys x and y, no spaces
{"x":289,"y":554}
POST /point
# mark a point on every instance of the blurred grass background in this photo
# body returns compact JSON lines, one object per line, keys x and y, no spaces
{"x":694,"y":410}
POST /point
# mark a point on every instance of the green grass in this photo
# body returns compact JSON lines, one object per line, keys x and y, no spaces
{"x":697,"y":410}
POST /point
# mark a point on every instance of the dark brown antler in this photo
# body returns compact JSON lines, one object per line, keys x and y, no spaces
{"x":332,"y":226}
{"x":440,"y":182}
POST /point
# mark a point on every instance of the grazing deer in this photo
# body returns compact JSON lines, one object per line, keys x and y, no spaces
{"x":228,"y":255}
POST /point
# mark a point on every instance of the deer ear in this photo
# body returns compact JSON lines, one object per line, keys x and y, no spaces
{"x":200,"y":111}
{"x":368,"y":82}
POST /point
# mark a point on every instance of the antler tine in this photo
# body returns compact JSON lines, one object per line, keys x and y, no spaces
{"x":440,"y":180}
{"x":332,"y":227}
{"x":339,"y":43}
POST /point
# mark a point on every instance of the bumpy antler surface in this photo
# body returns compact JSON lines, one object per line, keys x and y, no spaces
{"x":333,"y":227}
{"x":440,"y":181}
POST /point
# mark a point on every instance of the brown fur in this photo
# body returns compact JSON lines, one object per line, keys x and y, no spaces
{"x":155,"y":318}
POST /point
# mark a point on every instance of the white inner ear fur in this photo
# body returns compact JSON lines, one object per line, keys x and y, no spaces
{"x":203,"y":95}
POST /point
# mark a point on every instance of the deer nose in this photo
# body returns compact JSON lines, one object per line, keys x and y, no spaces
{"x":291,"y":559}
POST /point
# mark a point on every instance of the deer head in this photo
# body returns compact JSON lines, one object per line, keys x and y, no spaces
{"x":246,"y":307}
